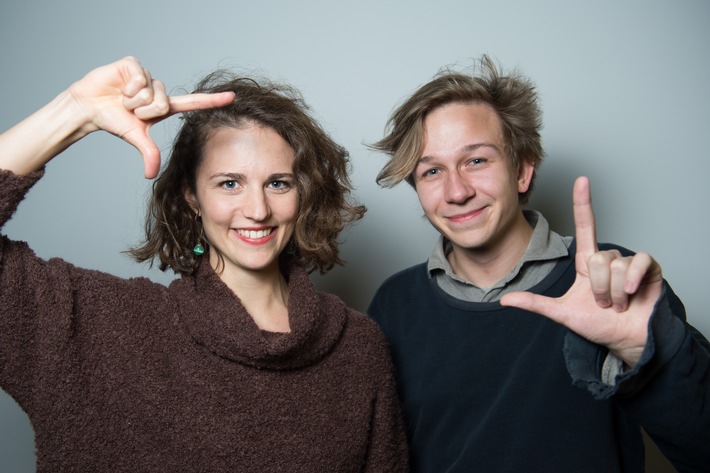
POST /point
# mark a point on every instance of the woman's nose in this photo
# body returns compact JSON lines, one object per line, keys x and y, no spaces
{"x":257,"y":207}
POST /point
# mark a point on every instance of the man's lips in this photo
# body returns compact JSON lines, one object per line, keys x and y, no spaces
{"x":464,"y":217}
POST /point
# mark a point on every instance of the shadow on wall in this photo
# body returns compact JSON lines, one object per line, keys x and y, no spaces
{"x":655,"y":461}
{"x":552,"y":195}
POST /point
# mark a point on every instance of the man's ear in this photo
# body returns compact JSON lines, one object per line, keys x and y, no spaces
{"x":525,"y":175}
{"x":191,"y":200}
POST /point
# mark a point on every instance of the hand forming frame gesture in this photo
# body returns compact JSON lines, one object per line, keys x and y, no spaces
{"x":121,"y":98}
{"x":613,"y":296}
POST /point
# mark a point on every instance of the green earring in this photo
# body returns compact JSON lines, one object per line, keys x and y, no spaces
{"x":199,"y":248}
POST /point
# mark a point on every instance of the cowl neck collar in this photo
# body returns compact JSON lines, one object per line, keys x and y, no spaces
{"x":216,"y":319}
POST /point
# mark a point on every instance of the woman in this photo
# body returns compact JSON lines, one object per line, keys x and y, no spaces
{"x":239,"y":365}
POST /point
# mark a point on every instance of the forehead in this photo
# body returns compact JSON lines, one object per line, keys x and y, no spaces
{"x":457,"y":125}
{"x":252,"y":147}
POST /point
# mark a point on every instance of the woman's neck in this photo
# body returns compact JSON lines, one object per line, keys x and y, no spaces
{"x":264,"y":295}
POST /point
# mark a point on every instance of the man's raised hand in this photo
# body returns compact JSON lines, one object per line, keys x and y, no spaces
{"x":612,"y":297}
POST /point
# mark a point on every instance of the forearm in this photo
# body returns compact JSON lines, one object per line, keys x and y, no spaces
{"x":673,"y":405}
{"x":667,"y":393}
{"x":33,"y":142}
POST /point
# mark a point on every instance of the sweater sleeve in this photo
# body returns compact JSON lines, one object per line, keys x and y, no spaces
{"x":28,"y":285}
{"x":13,"y":189}
{"x":37,"y":310}
{"x":388,"y":451}
{"x":667,"y":392}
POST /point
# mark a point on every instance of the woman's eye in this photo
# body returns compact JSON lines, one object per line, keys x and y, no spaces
{"x":279,"y":185}
{"x":229,"y":184}
{"x":431,"y":172}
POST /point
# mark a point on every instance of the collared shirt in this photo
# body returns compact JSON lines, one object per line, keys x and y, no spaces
{"x":540,"y":257}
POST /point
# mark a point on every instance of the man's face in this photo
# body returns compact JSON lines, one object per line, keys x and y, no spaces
{"x":464,"y":179}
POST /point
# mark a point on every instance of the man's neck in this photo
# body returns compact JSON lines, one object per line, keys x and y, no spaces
{"x":485,"y":266}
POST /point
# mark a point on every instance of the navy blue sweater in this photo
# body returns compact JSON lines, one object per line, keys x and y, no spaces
{"x":487,"y":388}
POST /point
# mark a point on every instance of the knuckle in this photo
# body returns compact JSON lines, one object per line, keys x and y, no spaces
{"x":162,"y":107}
{"x":597,"y":260}
{"x":144,"y":97}
{"x":619,"y":264}
{"x":645,"y":258}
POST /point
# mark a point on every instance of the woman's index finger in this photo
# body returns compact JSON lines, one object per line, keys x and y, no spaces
{"x":189,"y":102}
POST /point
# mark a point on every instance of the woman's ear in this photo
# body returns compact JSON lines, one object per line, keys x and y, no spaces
{"x":191,"y":200}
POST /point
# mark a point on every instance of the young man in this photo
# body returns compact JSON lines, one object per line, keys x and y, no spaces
{"x":485,"y":384}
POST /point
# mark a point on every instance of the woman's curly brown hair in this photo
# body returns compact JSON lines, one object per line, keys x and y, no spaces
{"x":321,"y":169}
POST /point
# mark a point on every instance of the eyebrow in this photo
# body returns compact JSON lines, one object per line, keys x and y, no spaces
{"x":465,"y":149}
{"x":281,"y":175}
{"x":228,"y":175}
{"x":235,"y":176}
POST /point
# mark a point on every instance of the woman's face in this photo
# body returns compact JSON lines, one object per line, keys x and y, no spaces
{"x":246,"y":196}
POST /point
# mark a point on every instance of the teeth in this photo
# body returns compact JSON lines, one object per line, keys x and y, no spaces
{"x":254,"y":234}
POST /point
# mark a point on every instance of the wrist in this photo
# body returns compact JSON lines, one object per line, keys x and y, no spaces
{"x":32,"y":143}
{"x":73,"y":114}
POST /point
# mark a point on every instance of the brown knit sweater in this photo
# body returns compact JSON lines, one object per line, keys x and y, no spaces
{"x":128,"y":375}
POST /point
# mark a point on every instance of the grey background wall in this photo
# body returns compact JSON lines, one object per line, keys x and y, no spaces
{"x":623,"y":87}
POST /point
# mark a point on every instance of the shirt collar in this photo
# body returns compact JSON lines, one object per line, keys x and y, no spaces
{"x":544,"y":245}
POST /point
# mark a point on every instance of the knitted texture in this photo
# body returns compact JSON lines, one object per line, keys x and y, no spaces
{"x":128,"y":375}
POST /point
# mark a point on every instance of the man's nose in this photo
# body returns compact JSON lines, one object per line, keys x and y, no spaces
{"x":458,"y":188}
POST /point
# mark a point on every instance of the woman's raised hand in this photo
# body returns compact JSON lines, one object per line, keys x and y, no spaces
{"x":121,"y":98}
